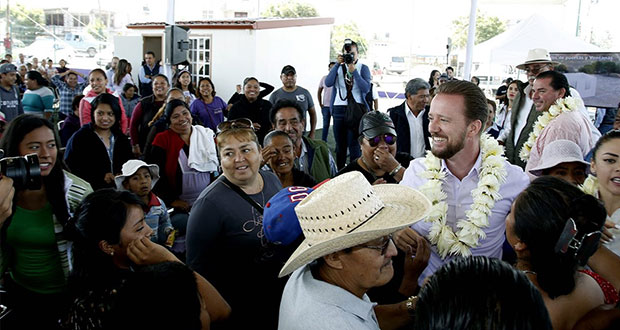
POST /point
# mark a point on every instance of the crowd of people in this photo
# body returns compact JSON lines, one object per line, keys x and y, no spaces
{"x":160,"y":205}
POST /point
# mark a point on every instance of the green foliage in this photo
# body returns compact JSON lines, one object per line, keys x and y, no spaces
{"x":22,"y":28}
{"x":487,"y":27}
{"x":344,"y":31}
{"x":97,"y":29}
{"x":291,"y":9}
{"x":600,"y":68}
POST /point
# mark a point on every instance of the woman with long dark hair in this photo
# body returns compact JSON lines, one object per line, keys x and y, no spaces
{"x":185,"y":84}
{"x":433,"y":80}
{"x":99,"y":149}
{"x":35,"y":250}
{"x":111,"y":245}
{"x":38,"y":98}
{"x":554,"y":228}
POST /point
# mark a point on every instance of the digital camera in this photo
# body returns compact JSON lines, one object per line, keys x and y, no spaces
{"x":24,"y":170}
{"x":348,"y":57}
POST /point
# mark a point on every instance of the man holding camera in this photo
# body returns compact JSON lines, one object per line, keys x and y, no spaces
{"x":351,"y":82}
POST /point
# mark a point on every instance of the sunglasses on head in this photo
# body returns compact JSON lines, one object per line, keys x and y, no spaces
{"x":388,"y":138}
{"x":234,"y":123}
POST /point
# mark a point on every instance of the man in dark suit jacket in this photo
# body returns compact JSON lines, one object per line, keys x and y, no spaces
{"x":416,"y":108}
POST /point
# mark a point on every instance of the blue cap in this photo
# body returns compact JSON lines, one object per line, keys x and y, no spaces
{"x":280,"y":221}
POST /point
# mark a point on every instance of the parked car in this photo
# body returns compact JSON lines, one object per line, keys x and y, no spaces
{"x":84,"y":42}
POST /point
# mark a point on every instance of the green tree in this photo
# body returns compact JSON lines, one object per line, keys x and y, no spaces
{"x":343,"y":31}
{"x":22,"y":26}
{"x":487,"y":27}
{"x":291,"y":9}
{"x":97,"y":29}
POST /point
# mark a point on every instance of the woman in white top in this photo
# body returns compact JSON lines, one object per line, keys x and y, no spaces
{"x":121,"y":76}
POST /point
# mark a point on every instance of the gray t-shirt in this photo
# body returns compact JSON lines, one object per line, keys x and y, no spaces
{"x":10,"y":103}
{"x":300,"y":95}
{"x":226,"y":244}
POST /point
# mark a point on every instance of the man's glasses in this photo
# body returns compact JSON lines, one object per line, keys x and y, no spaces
{"x":388,"y":138}
{"x":535,"y":69}
{"x":235,"y":123}
{"x":383,"y":247}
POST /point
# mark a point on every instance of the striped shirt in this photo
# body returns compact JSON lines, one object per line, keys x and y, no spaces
{"x":38,"y":101}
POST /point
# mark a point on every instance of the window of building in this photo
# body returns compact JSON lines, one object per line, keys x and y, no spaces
{"x":241,"y":14}
{"x":200,"y":57}
{"x":54,"y":19}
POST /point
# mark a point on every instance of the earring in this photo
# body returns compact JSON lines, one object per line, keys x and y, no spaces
{"x":112,"y":253}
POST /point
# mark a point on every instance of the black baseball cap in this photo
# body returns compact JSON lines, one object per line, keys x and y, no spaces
{"x":375,"y":123}
{"x":287,"y":69}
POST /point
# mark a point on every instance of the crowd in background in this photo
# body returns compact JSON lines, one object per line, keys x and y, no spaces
{"x":158,"y":198}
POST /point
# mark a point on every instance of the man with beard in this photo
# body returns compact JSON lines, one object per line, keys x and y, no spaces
{"x":311,"y":156}
{"x":291,"y":91}
{"x":464,"y":166}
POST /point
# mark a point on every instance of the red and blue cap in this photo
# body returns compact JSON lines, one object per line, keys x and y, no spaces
{"x":280,"y":221}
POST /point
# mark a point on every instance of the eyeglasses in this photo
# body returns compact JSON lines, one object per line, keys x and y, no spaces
{"x":388,"y":138}
{"x":383,"y":247}
{"x":234,"y":123}
{"x":535,"y":69}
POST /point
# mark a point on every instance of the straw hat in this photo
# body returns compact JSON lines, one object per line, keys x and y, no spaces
{"x":347,"y":211}
{"x":537,"y":55}
{"x":557,"y":152}
{"x":131,"y":167}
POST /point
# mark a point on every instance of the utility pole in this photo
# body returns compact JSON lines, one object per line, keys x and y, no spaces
{"x":8,"y":29}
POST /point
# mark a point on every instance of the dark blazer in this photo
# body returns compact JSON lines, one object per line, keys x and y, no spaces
{"x":512,"y":150}
{"x":399,"y":117}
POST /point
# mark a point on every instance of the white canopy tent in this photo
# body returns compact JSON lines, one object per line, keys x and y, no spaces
{"x":511,"y":47}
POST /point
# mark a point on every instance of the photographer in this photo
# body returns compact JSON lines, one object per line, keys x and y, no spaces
{"x":35,"y":253}
{"x":351,"y":81}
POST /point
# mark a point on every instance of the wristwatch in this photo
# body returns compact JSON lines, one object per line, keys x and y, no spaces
{"x":395,"y":170}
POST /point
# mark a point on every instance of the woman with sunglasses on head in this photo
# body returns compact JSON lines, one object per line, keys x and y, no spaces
{"x":35,"y":256}
{"x":253,"y":107}
{"x":378,"y":161}
{"x":554,"y":228}
{"x":225,"y":239}
{"x":187,"y":159}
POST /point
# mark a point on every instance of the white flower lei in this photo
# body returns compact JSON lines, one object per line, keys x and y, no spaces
{"x":590,"y":186}
{"x":492,"y":175}
{"x":560,"y":106}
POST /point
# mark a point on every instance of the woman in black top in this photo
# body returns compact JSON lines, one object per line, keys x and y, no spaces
{"x":253,"y":107}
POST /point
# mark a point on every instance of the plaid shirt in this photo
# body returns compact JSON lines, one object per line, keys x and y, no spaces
{"x":67,"y":93}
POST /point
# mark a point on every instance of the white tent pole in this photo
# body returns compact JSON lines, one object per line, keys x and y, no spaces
{"x":170,"y":13}
{"x":471,"y":36}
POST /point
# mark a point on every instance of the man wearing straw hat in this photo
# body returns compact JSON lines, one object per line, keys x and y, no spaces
{"x":347,"y":224}
{"x":524,"y":113}
{"x":466,"y":177}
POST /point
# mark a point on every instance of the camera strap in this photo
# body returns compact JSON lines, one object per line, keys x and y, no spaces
{"x":348,"y":83}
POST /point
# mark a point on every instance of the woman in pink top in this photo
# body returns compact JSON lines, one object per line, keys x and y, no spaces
{"x":98,"y":81}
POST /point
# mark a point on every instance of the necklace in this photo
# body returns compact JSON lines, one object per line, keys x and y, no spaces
{"x":560,"y":106}
{"x":491,"y":176}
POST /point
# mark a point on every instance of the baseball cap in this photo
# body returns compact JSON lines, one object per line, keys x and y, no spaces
{"x":375,"y":123}
{"x":287,"y":69}
{"x":280,"y":222}
{"x":444,"y":76}
{"x":7,"y":67}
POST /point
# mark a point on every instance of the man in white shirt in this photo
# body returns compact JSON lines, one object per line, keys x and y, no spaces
{"x":411,"y":119}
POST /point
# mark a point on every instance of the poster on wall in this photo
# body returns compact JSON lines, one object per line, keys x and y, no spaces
{"x":596,"y":76}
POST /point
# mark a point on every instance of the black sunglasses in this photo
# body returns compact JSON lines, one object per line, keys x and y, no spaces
{"x":388,"y":138}
{"x":234,"y":123}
